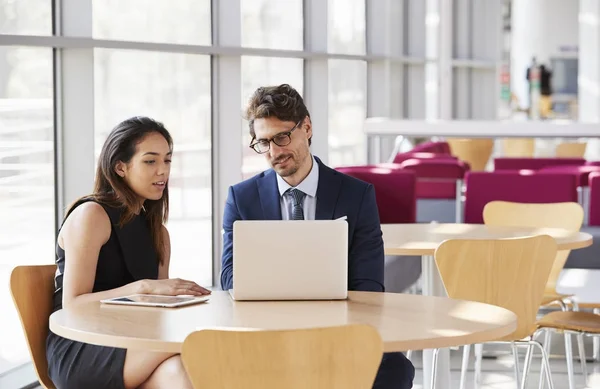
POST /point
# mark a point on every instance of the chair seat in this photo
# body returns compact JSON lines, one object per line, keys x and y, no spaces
{"x":553,"y":298}
{"x":569,"y":320}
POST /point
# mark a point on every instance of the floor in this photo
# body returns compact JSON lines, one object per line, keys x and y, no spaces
{"x":497,"y":370}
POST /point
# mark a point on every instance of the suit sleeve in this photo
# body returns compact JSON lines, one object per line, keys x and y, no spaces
{"x":230,"y":215}
{"x":366,"y":256}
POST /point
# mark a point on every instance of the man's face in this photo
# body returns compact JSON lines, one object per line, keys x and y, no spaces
{"x":288,"y":158}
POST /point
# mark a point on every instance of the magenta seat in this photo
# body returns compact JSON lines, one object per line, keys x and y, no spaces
{"x":534,"y":163}
{"x":593,"y":163}
{"x":483,"y":187}
{"x":395,"y":191}
{"x":401,"y":157}
{"x":594,"y":208}
{"x":436,"y":178}
{"x":580,"y":172}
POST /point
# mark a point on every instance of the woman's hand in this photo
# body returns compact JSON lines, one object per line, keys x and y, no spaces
{"x":172,"y":287}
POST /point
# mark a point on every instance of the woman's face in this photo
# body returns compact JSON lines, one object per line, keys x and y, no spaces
{"x":147,"y":173}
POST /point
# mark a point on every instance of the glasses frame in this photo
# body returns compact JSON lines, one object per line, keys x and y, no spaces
{"x":272,"y":139}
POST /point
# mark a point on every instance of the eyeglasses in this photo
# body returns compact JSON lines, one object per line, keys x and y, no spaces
{"x":281,"y":139}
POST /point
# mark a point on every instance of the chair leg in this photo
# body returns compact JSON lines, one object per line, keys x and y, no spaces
{"x":515,"y":352}
{"x":465,"y":366}
{"x":596,"y":342}
{"x":581,"y":349}
{"x":547,"y":342}
{"x":434,"y":367}
{"x":478,"y":358}
{"x":569,"y":356}
{"x":545,"y":361}
{"x":526,"y":366}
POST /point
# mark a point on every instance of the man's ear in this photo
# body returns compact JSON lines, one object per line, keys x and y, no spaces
{"x":308,"y":127}
{"x":121,"y":169}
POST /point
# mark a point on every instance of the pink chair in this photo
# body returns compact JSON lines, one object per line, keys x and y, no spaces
{"x":439,"y":179}
{"x":483,"y":187}
{"x":432,"y":147}
{"x":395,"y":191}
{"x":534,"y":163}
{"x":580,"y":172}
{"x":592,"y":163}
{"x":401,"y":157}
{"x":594,"y":206}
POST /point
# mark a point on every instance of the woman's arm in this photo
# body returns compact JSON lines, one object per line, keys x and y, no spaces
{"x":83,"y":234}
{"x":163,"y":269}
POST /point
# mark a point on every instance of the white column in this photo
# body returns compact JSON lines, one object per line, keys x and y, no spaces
{"x":316,"y":75}
{"x":227,"y":121}
{"x":385,"y":84}
{"x":438,"y":70}
{"x":589,"y":69}
{"x":74,"y":96}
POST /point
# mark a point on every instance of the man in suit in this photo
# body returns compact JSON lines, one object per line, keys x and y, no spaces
{"x":300,"y":187}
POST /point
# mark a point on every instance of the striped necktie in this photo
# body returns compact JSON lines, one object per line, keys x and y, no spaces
{"x":297,"y":197}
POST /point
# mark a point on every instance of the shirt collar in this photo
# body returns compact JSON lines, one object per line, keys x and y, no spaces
{"x":308,"y":185}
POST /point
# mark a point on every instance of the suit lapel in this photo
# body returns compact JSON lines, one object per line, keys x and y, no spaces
{"x":269,"y":196}
{"x":330,"y":183}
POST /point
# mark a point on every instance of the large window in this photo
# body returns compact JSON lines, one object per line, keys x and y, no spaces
{"x":346,"y":26}
{"x":263,"y":71}
{"x":26,"y":17}
{"x":272,"y":24}
{"x":179,"y":21}
{"x":347,"y":112}
{"x":175,"y":90}
{"x":26,"y":180}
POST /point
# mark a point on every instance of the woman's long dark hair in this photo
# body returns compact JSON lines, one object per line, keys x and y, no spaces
{"x":111,"y":190}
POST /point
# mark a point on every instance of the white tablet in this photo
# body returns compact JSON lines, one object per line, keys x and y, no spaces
{"x":152,"y":300}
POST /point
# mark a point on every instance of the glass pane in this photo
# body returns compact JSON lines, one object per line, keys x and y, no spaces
{"x":26,"y":17}
{"x":175,"y":90}
{"x":346,"y":26}
{"x":181,"y":21}
{"x":263,"y":71}
{"x":347,"y":112}
{"x":272,"y":24}
{"x":26,"y":180}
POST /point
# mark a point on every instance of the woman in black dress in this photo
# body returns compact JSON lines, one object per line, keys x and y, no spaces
{"x":114,"y":243}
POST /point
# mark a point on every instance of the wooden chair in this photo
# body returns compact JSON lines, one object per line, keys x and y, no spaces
{"x":32,"y":288}
{"x":334,"y":358}
{"x":476,"y":152}
{"x":571,"y":150}
{"x":510,"y":273}
{"x":568,"y":216}
{"x":518,"y":147}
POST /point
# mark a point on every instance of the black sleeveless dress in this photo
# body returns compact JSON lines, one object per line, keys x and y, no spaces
{"x":127,"y":256}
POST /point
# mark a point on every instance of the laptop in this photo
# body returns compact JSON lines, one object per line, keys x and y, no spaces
{"x":290,"y":260}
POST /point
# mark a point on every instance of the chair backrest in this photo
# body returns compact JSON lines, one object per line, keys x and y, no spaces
{"x":436,"y":178}
{"x":432,"y":147}
{"x":568,"y":216}
{"x":336,"y":357}
{"x":483,"y":187}
{"x":518,"y":147}
{"x":475,"y":152}
{"x":581,"y":172}
{"x":571,"y":149}
{"x":395,"y":191}
{"x":32,"y":288}
{"x":509,"y":273}
{"x":534,"y":163}
{"x":594,"y":207}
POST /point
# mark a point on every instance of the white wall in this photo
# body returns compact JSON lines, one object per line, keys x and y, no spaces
{"x":540,"y":28}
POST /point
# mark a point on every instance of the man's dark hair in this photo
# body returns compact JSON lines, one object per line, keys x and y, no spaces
{"x":282,"y":102}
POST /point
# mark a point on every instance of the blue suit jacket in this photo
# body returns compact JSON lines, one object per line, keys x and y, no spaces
{"x":337,"y":195}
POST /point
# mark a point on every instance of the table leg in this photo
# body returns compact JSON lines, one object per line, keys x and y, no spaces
{"x":433,"y":286}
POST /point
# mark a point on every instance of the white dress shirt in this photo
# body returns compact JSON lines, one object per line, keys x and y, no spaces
{"x":308,"y":186}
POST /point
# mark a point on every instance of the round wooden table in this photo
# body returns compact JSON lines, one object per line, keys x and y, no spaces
{"x":405,"y":322}
{"x":423,"y":238}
